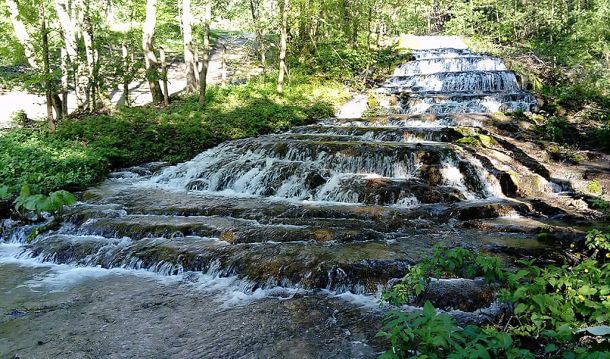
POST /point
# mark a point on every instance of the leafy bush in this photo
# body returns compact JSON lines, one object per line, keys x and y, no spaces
{"x":548,"y":304}
{"x":20,"y":119}
{"x":597,"y":240}
{"x":428,"y":334}
{"x":4,"y":192}
{"x":47,"y":162}
{"x":553,"y":129}
{"x":602,"y":135}
{"x":39,"y":203}
{"x":550,"y":301}
{"x":594,"y":187}
{"x":337,"y":61}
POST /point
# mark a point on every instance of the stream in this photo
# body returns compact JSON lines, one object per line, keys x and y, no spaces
{"x":279,"y":246}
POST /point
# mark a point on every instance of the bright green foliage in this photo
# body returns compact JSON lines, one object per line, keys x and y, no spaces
{"x":47,"y":162}
{"x":20,"y":119}
{"x":598,"y":241}
{"x":82,"y":150}
{"x":428,"y":334}
{"x":548,"y":303}
{"x":552,"y":301}
{"x":601,"y":205}
{"x":39,"y":203}
{"x":339,"y":62}
{"x":420,"y":332}
{"x":602,"y":135}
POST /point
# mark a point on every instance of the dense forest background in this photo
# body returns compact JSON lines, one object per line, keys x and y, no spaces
{"x":550,"y":42}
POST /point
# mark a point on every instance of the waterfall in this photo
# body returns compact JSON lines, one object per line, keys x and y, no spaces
{"x":341,"y":205}
{"x":443,"y":81}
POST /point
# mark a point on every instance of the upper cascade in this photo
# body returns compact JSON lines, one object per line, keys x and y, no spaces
{"x":449,"y":80}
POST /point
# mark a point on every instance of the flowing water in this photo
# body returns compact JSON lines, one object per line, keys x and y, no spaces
{"x":269,"y":246}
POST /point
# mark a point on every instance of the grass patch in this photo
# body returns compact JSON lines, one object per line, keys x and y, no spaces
{"x":83,"y":150}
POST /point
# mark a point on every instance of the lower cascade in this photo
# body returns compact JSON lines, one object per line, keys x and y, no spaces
{"x":342,"y":205}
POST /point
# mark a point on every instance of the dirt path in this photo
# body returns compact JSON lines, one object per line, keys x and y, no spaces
{"x":239,"y":68}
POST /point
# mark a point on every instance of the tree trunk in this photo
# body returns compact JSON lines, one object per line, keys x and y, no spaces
{"x":22,"y":33}
{"x":125,"y":75}
{"x":64,"y":82}
{"x":86,"y":33}
{"x":80,"y":75}
{"x":45,"y":66}
{"x":283,"y":40}
{"x":206,"y":51}
{"x":164,"y":77}
{"x":189,"y":56}
{"x":197,"y":67}
{"x":150,"y":59}
{"x":256,"y":18}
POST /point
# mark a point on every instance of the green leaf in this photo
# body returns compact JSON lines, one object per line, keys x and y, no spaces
{"x":520,"y":308}
{"x":549,"y":348}
{"x":25,"y":191}
{"x":587,"y":290}
{"x":429,"y":310}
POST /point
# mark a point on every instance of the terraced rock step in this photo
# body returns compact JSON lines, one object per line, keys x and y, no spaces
{"x":451,"y":82}
{"x":466,"y":103}
{"x":378,"y":134}
{"x":431,"y":65}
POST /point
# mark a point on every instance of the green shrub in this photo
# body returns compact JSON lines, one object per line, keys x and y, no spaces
{"x":553,"y":129}
{"x":20,"y":119}
{"x":428,"y":334}
{"x":602,"y":135}
{"x":39,"y":203}
{"x":594,"y":187}
{"x":549,"y":305}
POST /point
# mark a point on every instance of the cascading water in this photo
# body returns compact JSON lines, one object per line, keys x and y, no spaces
{"x":341,"y":205}
{"x":442,"y":81}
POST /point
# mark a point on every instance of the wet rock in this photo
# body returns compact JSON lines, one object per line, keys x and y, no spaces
{"x":463,"y":294}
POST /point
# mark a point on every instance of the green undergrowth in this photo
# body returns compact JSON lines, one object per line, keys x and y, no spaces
{"x":83,"y":150}
{"x":354,"y":65}
{"x":555,"y":311}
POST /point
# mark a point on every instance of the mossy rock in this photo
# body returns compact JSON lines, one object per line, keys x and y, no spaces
{"x":478,"y":140}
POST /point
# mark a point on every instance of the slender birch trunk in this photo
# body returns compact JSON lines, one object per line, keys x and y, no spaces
{"x":68,"y":26}
{"x":64,"y":82}
{"x":189,"y":56}
{"x":206,"y":51}
{"x":283,"y":40}
{"x":45,"y":66}
{"x":125,"y":74}
{"x":164,"y":77}
{"x":150,"y":59}
{"x":223,"y":66}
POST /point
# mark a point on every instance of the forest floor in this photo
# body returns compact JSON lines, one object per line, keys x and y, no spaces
{"x":239,"y":67}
